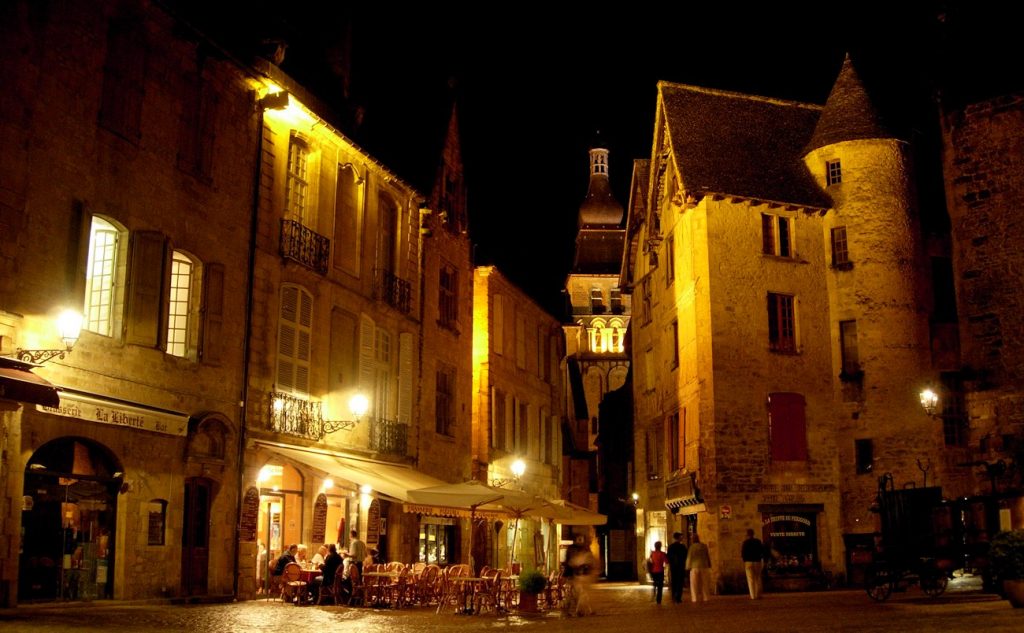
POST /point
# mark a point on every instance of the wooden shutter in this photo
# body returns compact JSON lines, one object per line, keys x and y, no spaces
{"x":405,"y":344}
{"x":787,"y":426}
{"x":212,"y":350}
{"x":286,"y":331}
{"x":303,"y":348}
{"x":77,"y":253}
{"x":367,"y":331}
{"x":146,"y":298}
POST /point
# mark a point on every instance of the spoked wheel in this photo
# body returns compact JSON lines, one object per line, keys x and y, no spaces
{"x":878,"y":585}
{"x":934,"y":583}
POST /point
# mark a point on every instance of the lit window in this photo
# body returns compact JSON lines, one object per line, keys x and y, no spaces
{"x":776,"y":235}
{"x":100,"y":277}
{"x":294,"y":341}
{"x":180,"y":305}
{"x":781,"y":323}
{"x":834,"y":172}
{"x":297,"y":187}
{"x":840,"y":251}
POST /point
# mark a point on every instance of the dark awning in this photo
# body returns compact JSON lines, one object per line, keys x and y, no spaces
{"x":17,"y":382}
{"x":682,"y":495}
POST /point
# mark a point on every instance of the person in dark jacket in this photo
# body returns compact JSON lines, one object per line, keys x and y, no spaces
{"x":677,"y":566}
{"x":330,"y":569}
{"x":752,"y":553}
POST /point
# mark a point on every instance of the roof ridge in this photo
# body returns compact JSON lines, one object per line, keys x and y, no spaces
{"x":738,"y":95}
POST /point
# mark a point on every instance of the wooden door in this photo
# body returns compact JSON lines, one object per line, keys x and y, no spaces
{"x":195,"y":539}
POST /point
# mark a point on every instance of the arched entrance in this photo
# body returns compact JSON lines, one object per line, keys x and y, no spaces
{"x":69,"y":513}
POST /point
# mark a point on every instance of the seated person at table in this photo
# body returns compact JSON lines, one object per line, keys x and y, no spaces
{"x":282,"y":561}
{"x":320,"y":556}
{"x":371,"y":558}
{"x":302,"y":556}
{"x":329,"y":568}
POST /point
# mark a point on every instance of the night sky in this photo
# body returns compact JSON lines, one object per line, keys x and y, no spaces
{"x":535,"y":82}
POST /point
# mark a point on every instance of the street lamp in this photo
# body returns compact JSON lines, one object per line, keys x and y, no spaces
{"x":518,"y":468}
{"x":358,"y":404}
{"x":69,"y":324}
{"x":929,"y":401}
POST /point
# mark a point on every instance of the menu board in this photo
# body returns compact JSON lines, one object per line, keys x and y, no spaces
{"x":250,"y":515}
{"x":319,"y":519}
{"x":373,"y":523}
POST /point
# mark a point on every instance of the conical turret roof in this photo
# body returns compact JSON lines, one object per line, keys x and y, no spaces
{"x":849,"y":113}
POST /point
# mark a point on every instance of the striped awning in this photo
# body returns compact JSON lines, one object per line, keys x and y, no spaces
{"x":682,"y":495}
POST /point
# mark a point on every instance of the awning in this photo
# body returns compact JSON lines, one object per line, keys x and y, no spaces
{"x":392,"y":480}
{"x":682,"y":495}
{"x":573,"y":514}
{"x":17,"y":382}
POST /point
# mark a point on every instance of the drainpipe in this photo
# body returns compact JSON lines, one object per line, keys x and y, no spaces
{"x":246,"y":341}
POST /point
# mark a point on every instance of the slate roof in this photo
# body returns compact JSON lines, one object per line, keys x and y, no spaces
{"x":849,"y":113}
{"x":741,"y":145}
{"x":600,"y":206}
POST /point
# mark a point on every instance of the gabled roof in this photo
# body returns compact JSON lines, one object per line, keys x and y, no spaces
{"x":849,"y":113}
{"x":741,"y":145}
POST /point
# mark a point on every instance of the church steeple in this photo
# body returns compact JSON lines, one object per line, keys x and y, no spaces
{"x":599,"y":208}
{"x":849,"y":113}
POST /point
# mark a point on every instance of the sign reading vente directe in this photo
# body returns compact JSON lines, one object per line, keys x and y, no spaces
{"x":103,"y":411}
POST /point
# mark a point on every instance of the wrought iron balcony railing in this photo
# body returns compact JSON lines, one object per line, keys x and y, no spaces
{"x":295,"y":416}
{"x":394,"y":291}
{"x":390,"y":437}
{"x":305,"y":246}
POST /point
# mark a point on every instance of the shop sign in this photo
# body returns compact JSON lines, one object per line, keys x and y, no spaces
{"x":373,"y":523}
{"x":103,"y":411}
{"x":250,"y":515}
{"x":725,"y":511}
{"x":320,"y":518}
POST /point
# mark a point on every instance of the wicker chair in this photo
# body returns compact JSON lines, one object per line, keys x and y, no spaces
{"x":292,"y":585}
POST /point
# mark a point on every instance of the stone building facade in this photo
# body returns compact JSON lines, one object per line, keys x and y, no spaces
{"x":781,"y":329}
{"x":517,"y":412}
{"x":119,"y":204}
{"x":984,"y":188}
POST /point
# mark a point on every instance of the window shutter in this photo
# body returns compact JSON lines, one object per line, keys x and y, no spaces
{"x":303,"y":350}
{"x":145,"y":288}
{"x":286,"y":339}
{"x":498,"y":342}
{"x":77,"y":253}
{"x":405,"y":377}
{"x":213,"y":314}
{"x":367,"y":331}
{"x":787,"y":426}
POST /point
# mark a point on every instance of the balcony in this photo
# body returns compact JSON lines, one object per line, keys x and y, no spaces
{"x":389,"y":437}
{"x":394,"y":291}
{"x":295,"y":416}
{"x":304,"y":246}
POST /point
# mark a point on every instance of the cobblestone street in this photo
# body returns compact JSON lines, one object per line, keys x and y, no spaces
{"x":620,"y":607}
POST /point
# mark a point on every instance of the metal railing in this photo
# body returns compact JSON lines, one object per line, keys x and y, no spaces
{"x":393,"y":290}
{"x":295,"y":416}
{"x":389,"y":436}
{"x":305,"y":246}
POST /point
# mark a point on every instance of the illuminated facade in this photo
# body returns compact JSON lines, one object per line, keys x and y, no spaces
{"x":781,"y":332}
{"x":517,"y":412}
{"x":125,"y":486}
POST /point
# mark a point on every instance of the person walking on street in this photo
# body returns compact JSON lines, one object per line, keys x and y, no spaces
{"x":698,"y":561}
{"x":677,"y":566}
{"x":656,"y":563}
{"x":752,"y":553}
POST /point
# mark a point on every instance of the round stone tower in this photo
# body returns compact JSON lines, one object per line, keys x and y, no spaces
{"x":877,"y":300}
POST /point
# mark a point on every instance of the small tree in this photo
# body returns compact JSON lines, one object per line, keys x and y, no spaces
{"x":1006,"y":553}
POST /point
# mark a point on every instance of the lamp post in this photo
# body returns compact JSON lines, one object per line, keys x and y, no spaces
{"x":69,"y":324}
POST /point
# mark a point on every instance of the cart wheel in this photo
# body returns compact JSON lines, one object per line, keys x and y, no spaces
{"x":934,"y":584}
{"x":879,"y":586}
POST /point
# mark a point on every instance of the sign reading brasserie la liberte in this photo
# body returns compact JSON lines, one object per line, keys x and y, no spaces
{"x":95,"y":409}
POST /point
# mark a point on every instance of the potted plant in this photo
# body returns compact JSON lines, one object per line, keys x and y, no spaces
{"x":1006,"y":554}
{"x":531,"y":583}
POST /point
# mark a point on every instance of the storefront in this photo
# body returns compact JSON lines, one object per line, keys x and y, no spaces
{"x":790,"y":534}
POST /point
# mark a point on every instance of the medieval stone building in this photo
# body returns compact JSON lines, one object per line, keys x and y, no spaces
{"x":782,"y":328}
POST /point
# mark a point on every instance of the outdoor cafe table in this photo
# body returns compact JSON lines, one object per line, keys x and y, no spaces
{"x":469,"y":589}
{"x":392,"y":575}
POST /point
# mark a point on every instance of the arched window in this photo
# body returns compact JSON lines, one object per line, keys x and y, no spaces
{"x":183,"y":306}
{"x":101,"y":276}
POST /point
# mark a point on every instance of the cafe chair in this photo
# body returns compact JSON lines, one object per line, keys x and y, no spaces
{"x":292,"y":585}
{"x":358,"y":596}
